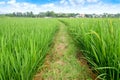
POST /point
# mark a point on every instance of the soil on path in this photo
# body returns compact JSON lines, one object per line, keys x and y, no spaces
{"x":61,"y":62}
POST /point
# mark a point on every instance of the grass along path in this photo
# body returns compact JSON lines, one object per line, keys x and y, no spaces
{"x":61,"y":62}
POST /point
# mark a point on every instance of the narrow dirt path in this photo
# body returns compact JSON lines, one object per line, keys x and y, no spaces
{"x":61,"y":62}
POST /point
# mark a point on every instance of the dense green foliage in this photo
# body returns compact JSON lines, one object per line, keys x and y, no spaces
{"x":99,"y":41}
{"x":24,"y":43}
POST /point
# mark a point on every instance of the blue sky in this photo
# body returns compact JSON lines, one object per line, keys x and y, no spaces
{"x":68,"y":6}
{"x":38,"y":1}
{"x":52,"y":1}
{"x":112,"y":1}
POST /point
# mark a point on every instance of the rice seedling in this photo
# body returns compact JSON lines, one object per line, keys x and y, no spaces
{"x":99,"y":41}
{"x":24,"y":43}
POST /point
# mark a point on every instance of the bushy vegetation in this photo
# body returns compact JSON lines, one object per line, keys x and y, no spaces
{"x":99,"y":41}
{"x":24,"y":43}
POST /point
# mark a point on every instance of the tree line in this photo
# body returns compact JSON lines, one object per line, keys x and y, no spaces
{"x":41,"y":14}
{"x":52,"y":14}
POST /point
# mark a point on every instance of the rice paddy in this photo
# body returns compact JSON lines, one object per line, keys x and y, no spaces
{"x":25,"y":43}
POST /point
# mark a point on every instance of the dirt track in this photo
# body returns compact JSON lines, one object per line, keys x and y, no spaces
{"x":61,"y":62}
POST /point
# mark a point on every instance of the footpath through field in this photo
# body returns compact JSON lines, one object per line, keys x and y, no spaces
{"x":61,"y":62}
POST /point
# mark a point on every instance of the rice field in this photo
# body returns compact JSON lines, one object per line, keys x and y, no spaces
{"x":99,"y":41}
{"x":25,"y":42}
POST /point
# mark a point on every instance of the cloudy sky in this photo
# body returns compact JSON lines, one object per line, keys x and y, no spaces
{"x":66,"y":6}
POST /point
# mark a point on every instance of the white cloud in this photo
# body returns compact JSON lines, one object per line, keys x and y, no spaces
{"x":11,"y":2}
{"x":91,"y":1}
{"x":50,"y":5}
{"x":74,"y":6}
{"x":81,"y":2}
{"x":76,"y":2}
{"x":101,"y":8}
{"x":2,"y":2}
{"x":63,"y":1}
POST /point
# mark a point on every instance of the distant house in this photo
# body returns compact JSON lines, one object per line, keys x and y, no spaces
{"x":80,"y":15}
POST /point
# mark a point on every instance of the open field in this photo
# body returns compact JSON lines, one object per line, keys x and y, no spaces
{"x":25,"y":43}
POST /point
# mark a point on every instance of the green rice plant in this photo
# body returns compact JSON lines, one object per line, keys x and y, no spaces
{"x":99,"y":41}
{"x":24,"y":43}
